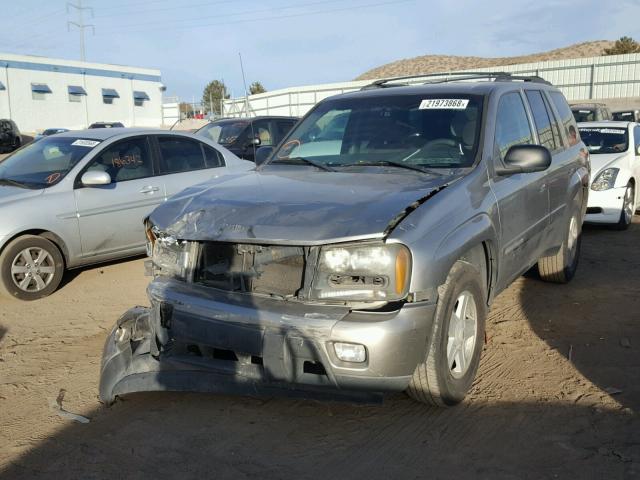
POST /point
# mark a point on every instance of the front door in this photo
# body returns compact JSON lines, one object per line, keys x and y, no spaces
{"x":523,"y":198}
{"x":110,"y":216}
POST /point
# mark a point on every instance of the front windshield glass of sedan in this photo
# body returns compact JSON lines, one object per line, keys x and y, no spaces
{"x":605,"y":139}
{"x":419,"y":131}
{"x":44,"y":163}
{"x":223,"y":133}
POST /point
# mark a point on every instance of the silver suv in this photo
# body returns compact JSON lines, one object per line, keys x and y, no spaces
{"x":361,"y":257}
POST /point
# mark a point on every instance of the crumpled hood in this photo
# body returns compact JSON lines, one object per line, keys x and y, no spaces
{"x":10,"y":194}
{"x":600,"y":161}
{"x":296,"y":206}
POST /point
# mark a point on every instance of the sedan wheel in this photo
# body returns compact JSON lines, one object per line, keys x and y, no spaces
{"x":31,"y":267}
{"x":628,"y":208}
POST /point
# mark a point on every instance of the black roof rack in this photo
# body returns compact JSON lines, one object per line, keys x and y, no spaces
{"x":455,"y":76}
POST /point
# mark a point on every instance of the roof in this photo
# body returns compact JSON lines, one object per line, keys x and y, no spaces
{"x":605,"y":124}
{"x":586,"y":105}
{"x":105,"y":133}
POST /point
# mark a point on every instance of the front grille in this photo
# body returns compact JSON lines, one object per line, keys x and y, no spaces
{"x":265,"y":269}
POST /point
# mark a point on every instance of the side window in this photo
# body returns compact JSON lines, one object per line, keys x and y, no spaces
{"x":512,"y":124}
{"x":261,"y":131}
{"x":180,"y":155}
{"x":125,"y":160}
{"x":566,"y":117}
{"x":636,"y":137}
{"x":213,"y":158}
{"x":282,"y":128}
{"x":542,"y":119}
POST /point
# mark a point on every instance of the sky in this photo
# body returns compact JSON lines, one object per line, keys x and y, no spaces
{"x":288,"y":43}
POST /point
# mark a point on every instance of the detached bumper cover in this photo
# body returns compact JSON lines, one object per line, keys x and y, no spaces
{"x":198,"y":339}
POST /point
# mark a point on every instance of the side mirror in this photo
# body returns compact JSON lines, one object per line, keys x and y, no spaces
{"x":95,"y":178}
{"x":525,"y":159}
{"x":262,"y":154}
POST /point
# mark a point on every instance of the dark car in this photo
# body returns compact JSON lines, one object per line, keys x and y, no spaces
{"x":590,"y":112}
{"x":10,"y":137}
{"x":243,"y":136}
{"x":48,"y":132}
{"x":362,"y":256}
{"x":631,"y":115}
{"x":106,"y":125}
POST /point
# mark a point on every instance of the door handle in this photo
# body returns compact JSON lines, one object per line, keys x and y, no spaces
{"x":149,"y":189}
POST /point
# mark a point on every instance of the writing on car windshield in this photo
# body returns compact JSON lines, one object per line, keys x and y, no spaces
{"x":223,"y":133}
{"x":44,"y":163}
{"x":601,"y":140}
{"x":430,"y":131}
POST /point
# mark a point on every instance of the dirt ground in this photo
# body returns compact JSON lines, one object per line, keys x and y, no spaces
{"x":557,"y":395}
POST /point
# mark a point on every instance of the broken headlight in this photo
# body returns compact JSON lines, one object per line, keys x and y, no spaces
{"x":368,"y":272}
{"x":171,"y":257}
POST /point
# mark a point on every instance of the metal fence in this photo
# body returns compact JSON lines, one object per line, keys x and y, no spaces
{"x":605,"y":77}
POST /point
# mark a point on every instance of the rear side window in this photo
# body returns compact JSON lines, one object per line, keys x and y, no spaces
{"x":636,"y":137}
{"x":566,"y":117}
{"x":213,"y":158}
{"x":542,"y":119}
{"x":180,"y":155}
{"x":282,"y":128}
{"x":512,"y":124}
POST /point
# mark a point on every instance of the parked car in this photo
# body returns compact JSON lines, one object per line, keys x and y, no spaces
{"x":106,"y":125}
{"x":362,"y":259}
{"x":615,"y":171}
{"x":49,"y":131}
{"x":242,"y":136}
{"x":591,"y":112}
{"x":10,"y":138}
{"x":78,"y":198}
{"x":627,"y":116}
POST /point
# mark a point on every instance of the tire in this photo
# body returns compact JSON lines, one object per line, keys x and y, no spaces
{"x":22,"y":277}
{"x":561,"y":267}
{"x":628,"y":209}
{"x":441,"y":380}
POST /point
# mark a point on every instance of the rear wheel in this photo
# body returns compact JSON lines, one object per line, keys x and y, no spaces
{"x":628,"y":208}
{"x":454,"y":348}
{"x":31,"y":267}
{"x":561,"y":267}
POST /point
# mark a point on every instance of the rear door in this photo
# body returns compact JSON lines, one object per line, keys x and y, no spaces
{"x":523,"y":200}
{"x":185,"y":162}
{"x":110,"y":216}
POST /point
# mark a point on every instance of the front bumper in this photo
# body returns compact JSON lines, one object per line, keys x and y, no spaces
{"x":605,"y":205}
{"x":199,"y":339}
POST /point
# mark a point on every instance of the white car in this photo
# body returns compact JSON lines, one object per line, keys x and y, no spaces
{"x":615,"y":171}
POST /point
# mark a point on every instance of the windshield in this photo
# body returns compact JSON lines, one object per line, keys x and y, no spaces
{"x":605,"y":139}
{"x":420,"y":131}
{"x":44,"y":163}
{"x":223,"y":133}
{"x":584,"y":115}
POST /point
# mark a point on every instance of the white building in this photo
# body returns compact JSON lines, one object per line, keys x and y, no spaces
{"x":40,"y":92}
{"x":614,"y":79}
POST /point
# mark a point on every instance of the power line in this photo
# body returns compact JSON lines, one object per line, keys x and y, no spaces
{"x":80,"y":24}
{"x":133,"y":12}
{"x":261,"y":19}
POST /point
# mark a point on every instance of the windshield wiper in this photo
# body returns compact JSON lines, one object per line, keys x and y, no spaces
{"x":14,"y":183}
{"x":321,"y":166}
{"x":392,"y":164}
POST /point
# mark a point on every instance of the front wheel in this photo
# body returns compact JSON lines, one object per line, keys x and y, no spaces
{"x":628,"y":208}
{"x":16,"y":143}
{"x":561,"y":267}
{"x":453,"y":350}
{"x":31,"y":267}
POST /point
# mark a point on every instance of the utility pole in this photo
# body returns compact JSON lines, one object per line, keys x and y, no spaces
{"x":80,"y":24}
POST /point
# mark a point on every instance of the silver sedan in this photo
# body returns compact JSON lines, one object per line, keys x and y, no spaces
{"x":79,"y":198}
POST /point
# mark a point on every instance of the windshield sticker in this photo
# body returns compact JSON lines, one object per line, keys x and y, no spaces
{"x":604,"y":130}
{"x":444,"y":103}
{"x":53,"y":178}
{"x":85,"y":143}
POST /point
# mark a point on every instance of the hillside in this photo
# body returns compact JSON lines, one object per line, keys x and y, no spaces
{"x":441,"y":63}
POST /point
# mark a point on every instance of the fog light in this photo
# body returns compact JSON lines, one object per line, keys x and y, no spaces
{"x":350,"y":352}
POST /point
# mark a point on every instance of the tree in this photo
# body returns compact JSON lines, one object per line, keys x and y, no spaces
{"x":624,"y":45}
{"x":256,"y":87}
{"x":212,"y":95}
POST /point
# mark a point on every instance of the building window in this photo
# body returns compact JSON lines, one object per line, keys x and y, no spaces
{"x":139,"y":98}
{"x":39,"y":91}
{"x":2,"y":87}
{"x":108,"y":95}
{"x":75,"y":93}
